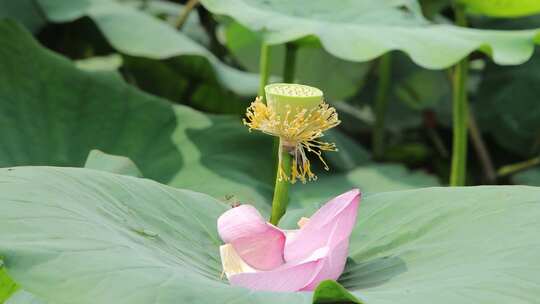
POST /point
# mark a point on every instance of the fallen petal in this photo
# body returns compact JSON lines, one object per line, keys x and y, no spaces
{"x":286,"y":278}
{"x":258,"y":243}
{"x":331,"y":267}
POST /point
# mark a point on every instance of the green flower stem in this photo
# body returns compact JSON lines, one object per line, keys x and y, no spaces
{"x":264,"y":68}
{"x":460,"y":114}
{"x":514,"y":168}
{"x":289,"y":68}
{"x":281,"y":190}
{"x":381,"y":104}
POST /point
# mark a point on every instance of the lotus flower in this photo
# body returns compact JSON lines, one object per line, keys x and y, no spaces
{"x":260,"y":256}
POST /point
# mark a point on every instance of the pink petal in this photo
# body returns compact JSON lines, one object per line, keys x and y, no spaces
{"x":329,"y":226}
{"x":288,"y":277}
{"x":331,"y":267}
{"x":258,"y":243}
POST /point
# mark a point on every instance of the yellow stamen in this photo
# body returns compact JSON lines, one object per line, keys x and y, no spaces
{"x":299,"y":131}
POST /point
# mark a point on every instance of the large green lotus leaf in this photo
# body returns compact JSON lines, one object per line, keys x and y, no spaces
{"x":502,"y":8}
{"x":136,"y":33}
{"x":360,"y":30}
{"x":447,"y":245}
{"x":338,"y":78}
{"x":83,"y":236}
{"x":106,"y":238}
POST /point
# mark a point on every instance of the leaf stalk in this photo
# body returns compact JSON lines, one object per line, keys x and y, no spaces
{"x":264,"y":68}
{"x":289,"y":67}
{"x":460,"y":110}
{"x":517,"y":167}
{"x":381,"y":104}
{"x":190,"y":5}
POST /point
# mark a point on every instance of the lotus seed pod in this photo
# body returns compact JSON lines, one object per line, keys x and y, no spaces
{"x":285,"y":97}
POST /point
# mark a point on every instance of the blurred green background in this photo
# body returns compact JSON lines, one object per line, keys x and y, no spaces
{"x":92,"y":74}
